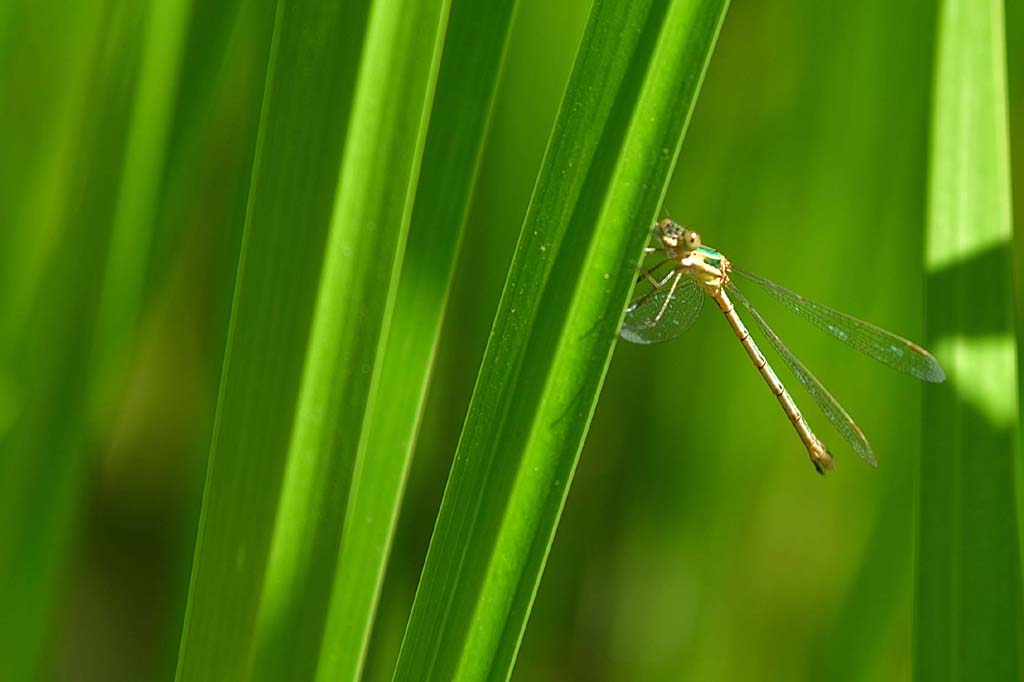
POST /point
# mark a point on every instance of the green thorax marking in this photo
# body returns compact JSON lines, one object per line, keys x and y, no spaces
{"x":711,"y":257}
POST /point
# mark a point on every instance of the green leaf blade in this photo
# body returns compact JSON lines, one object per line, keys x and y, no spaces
{"x":967,"y":616}
{"x":355,"y":297}
{"x":474,"y":49}
{"x":308,"y":91}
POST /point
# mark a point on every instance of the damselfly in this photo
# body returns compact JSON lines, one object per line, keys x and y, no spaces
{"x":675,"y":299}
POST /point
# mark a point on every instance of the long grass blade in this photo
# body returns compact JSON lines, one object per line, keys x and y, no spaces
{"x":305,"y":114}
{"x":473,"y":54}
{"x":968,"y":595}
{"x":356,"y":295}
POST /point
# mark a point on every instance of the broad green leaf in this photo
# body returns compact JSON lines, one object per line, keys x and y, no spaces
{"x":380,"y":165}
{"x":310,"y":80}
{"x":314,"y":293}
{"x":968,"y":602}
{"x":212,"y":145}
{"x":618,"y":134}
{"x":473,"y":53}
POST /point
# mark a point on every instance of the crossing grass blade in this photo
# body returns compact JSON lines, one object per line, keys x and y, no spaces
{"x":968,"y":608}
{"x":473,"y":54}
{"x":615,"y":142}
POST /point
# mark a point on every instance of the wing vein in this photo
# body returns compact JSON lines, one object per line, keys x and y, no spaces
{"x":884,"y":346}
{"x":664,"y":312}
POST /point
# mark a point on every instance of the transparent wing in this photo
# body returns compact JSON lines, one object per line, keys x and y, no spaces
{"x":642,"y":324}
{"x":885,"y":347}
{"x":826,"y":402}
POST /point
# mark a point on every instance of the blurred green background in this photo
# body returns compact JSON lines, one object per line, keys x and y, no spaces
{"x":697,"y":543}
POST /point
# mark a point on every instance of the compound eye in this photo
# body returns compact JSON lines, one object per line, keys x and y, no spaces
{"x":668,"y":232}
{"x":691,"y":240}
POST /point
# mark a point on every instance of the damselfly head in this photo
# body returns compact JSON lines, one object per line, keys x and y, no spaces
{"x":675,"y":236}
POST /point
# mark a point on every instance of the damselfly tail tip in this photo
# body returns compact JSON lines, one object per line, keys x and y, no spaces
{"x":821,"y":458}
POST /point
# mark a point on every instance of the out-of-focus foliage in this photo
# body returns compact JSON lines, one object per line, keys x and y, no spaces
{"x":696,"y":542}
